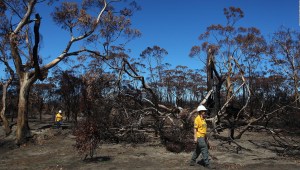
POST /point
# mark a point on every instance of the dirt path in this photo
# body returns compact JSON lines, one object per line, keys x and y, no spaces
{"x":53,"y":149}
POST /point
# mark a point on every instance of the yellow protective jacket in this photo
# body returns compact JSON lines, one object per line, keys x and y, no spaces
{"x":58,"y":117}
{"x":200,"y":126}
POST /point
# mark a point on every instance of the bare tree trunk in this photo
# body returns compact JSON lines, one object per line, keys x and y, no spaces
{"x":3,"y":117}
{"x":23,"y":130}
{"x":41,"y":108}
{"x":27,"y":78}
{"x":229,"y":88}
{"x":296,"y":90}
{"x":4,"y":91}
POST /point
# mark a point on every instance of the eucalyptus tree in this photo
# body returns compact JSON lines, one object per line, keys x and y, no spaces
{"x":227,"y":49}
{"x":197,"y":85}
{"x":285,"y":57}
{"x":153,"y":58}
{"x":218,"y":43}
{"x":180,"y":80}
{"x":5,"y":57}
{"x":5,"y":82}
{"x":78,"y":20}
{"x":40,"y":99}
{"x":70,"y":89}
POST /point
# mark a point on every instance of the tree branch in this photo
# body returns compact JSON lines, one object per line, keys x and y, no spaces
{"x":66,"y":53}
{"x":201,"y":103}
{"x":26,"y":17}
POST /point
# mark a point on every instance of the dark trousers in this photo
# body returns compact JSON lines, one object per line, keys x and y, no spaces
{"x":201,"y":148}
{"x":58,"y":124}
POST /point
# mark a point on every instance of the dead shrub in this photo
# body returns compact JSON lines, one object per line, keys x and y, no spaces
{"x":88,"y":135}
{"x":177,"y":139}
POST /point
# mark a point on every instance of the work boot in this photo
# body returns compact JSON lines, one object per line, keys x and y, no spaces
{"x":209,"y":167}
{"x":192,"y":163}
{"x":201,"y":162}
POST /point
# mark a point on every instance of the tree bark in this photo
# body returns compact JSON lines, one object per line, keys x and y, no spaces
{"x":23,"y":130}
{"x":210,"y":81}
{"x":216,"y":86}
{"x":25,"y":73}
{"x":4,"y":93}
{"x":3,"y":117}
{"x":26,"y":77}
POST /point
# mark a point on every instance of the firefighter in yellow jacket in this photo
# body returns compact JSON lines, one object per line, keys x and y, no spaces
{"x":200,"y":138}
{"x":58,"y":119}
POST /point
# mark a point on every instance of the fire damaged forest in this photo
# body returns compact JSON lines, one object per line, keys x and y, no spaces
{"x":136,"y":112}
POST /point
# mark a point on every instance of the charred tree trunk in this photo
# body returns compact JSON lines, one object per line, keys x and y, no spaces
{"x":214,"y":82}
{"x":210,"y":82}
{"x":41,"y":108}
{"x":217,"y":96}
{"x":212,"y":73}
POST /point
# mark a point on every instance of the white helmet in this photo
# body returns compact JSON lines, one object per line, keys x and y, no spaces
{"x":59,"y":111}
{"x":201,"y":108}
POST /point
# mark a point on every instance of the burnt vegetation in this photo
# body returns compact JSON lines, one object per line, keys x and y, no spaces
{"x":247,"y":83}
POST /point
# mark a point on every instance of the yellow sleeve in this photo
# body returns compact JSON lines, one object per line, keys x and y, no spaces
{"x":196,"y":125}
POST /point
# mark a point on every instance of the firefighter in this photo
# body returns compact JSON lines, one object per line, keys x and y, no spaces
{"x":200,"y":138}
{"x":58,"y":119}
